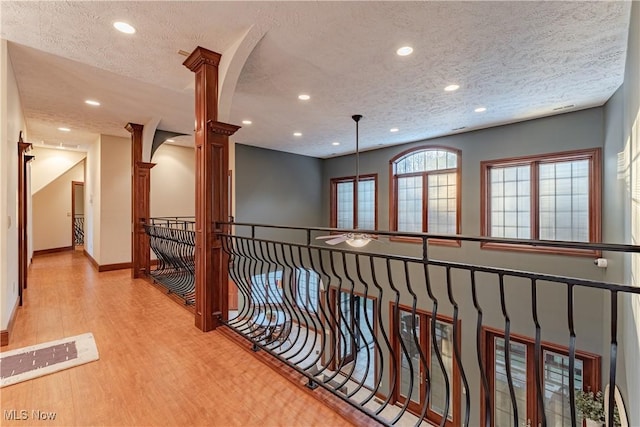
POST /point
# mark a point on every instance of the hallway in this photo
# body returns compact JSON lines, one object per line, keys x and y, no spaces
{"x":155,"y":367}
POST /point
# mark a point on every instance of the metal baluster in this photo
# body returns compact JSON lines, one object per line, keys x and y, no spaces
{"x":479,"y":354}
{"x":456,"y":349}
{"x":572,"y":354}
{"x":507,"y":349}
{"x":538,"y":354}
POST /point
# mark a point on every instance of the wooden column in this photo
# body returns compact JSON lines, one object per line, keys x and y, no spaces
{"x":212,"y":195}
{"x":23,"y":147}
{"x":140,"y":204}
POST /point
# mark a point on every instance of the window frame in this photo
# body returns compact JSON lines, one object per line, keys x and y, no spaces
{"x":593,"y":155}
{"x":393,"y":194}
{"x":334,"y":325}
{"x":591,"y":363}
{"x":426,"y":317}
{"x":333,"y":217}
{"x":266,"y":288}
{"x":308,"y":305}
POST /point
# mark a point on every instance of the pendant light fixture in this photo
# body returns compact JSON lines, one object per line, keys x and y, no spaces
{"x":354,"y":239}
{"x":357,"y":240}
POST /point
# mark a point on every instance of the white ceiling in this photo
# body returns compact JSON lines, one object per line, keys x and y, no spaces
{"x":520,"y":60}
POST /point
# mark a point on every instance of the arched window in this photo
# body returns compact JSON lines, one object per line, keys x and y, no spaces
{"x":425,"y":190}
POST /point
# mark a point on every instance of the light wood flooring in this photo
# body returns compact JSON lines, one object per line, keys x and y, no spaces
{"x":155,"y":367}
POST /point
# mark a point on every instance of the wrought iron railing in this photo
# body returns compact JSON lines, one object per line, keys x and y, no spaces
{"x":359,"y":323}
{"x":78,"y":229}
{"x":172,"y":240}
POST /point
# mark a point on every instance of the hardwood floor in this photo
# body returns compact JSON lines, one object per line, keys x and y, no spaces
{"x":155,"y":367}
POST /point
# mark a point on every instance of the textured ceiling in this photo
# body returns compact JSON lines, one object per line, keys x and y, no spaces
{"x":520,"y":60}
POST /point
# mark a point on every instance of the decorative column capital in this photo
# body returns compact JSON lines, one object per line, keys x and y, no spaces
{"x":134,"y":127}
{"x":22,"y":145}
{"x":201,"y":56}
{"x":220,"y":128}
{"x":144,"y":165}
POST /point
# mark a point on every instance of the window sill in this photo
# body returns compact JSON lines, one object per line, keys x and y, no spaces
{"x":434,"y":242}
{"x":541,"y":249}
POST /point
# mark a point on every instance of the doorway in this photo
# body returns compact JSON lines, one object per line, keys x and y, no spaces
{"x":77,"y":214}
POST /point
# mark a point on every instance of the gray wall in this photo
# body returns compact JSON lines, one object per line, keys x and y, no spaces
{"x":572,"y":131}
{"x":278,"y":188}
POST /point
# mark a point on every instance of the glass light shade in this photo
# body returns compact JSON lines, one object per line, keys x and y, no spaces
{"x":358,"y":240}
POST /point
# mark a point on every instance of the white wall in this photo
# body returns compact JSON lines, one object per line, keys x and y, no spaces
{"x":173,"y":181}
{"x":52,"y":221}
{"x":11,"y":123}
{"x":92,"y":201}
{"x":631,"y":138}
{"x":51,"y":163}
{"x":115,"y":200}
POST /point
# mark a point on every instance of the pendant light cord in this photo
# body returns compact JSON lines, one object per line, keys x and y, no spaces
{"x":356,"y":118}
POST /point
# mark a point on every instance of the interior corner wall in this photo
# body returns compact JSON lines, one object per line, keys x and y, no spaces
{"x":11,"y":123}
{"x":273,"y":187}
{"x":114,"y":200}
{"x":50,"y":163}
{"x":173,"y":181}
{"x":52,"y":221}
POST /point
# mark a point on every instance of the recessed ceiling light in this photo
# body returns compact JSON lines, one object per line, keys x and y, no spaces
{"x":335,"y":143}
{"x":123,"y":27}
{"x":92,"y":102}
{"x":480,"y":109}
{"x":297,"y":134}
{"x":451,"y":88}
{"x":170,"y":140}
{"x":65,"y":129}
{"x":246,"y":122}
{"x":394,"y":130}
{"x":304,"y":97}
{"x":405,"y":50}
